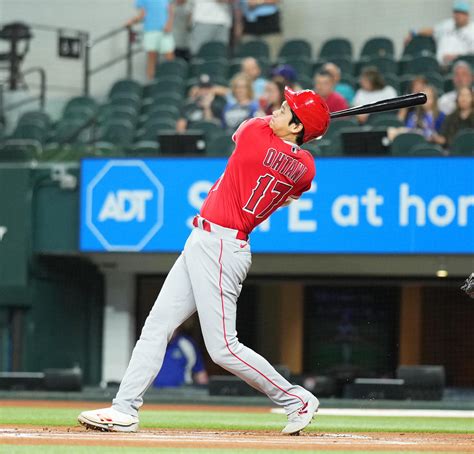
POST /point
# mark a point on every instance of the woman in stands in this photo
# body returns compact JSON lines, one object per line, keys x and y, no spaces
{"x":461,"y":118}
{"x":273,"y":96}
{"x":372,"y":89}
{"x":427,"y":119}
{"x":243,"y":106}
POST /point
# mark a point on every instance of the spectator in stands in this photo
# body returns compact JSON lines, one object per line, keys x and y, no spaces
{"x":345,"y":90}
{"x":288,"y":73}
{"x":260,"y":19}
{"x":158,"y":17}
{"x":244,"y":106}
{"x":251,"y":68}
{"x":212,"y":21}
{"x":462,"y":77}
{"x":453,"y":37}
{"x":182,"y":365}
{"x":425,"y":119}
{"x":181,"y":28}
{"x":324,"y":84}
{"x":201,"y":104}
{"x":461,"y":118}
{"x":417,"y":85}
{"x":273,"y":96}
{"x":372,"y":89}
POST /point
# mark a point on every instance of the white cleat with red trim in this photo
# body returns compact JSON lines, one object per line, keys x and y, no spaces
{"x":299,"y":419}
{"x":108,"y":420}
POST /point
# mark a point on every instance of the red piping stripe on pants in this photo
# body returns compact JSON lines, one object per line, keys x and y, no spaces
{"x":225,"y":335}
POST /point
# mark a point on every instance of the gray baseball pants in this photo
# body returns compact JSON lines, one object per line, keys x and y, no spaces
{"x":206,"y":277}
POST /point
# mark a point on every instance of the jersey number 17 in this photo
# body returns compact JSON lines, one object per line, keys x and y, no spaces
{"x":258,"y":204}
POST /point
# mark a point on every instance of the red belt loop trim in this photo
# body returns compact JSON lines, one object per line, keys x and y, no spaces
{"x":206,"y":226}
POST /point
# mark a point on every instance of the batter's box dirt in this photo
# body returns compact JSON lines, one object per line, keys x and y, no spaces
{"x":30,"y":435}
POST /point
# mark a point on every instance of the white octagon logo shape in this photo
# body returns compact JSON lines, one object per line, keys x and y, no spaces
{"x":89,"y":205}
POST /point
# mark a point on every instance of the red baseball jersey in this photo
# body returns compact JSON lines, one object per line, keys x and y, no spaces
{"x":261,"y":174}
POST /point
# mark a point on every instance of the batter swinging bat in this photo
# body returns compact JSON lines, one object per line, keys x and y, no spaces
{"x":413,"y":99}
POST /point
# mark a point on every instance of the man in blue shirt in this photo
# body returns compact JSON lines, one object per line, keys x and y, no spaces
{"x":182,"y":364}
{"x":157,"y":17}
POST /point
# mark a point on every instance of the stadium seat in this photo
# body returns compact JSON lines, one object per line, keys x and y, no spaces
{"x":255,"y":48}
{"x":378,"y":47}
{"x":162,"y":86}
{"x":126,"y":86}
{"x":82,"y":103}
{"x":448,"y":84}
{"x":210,"y":129}
{"x":296,"y":48}
{"x":403,"y":143}
{"x":463,"y":143}
{"x":109,"y":112}
{"x":126,"y":101}
{"x":214,"y":68}
{"x":301,"y":66}
{"x":71,"y":131}
{"x":385,"y":121}
{"x":420,"y":46}
{"x":468,"y":58}
{"x":221,"y":145}
{"x":144,"y":148}
{"x":340,"y":47}
{"x":20,"y":150}
{"x":32,"y":130}
{"x":437,"y":81}
{"x":37,"y":116}
{"x":176,"y":67}
{"x":419,"y":65}
{"x":213,"y":50}
{"x":386,"y":65}
{"x":118,"y":132}
{"x":349,"y":79}
{"x":167,"y":99}
{"x":427,"y":149}
{"x":345,"y":64}
{"x":307,"y":83}
{"x":103,"y":148}
{"x":149,"y":130}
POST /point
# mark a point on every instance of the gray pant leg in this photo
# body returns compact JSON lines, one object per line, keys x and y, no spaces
{"x":217,"y":267}
{"x":202,"y":33}
{"x":174,"y":305}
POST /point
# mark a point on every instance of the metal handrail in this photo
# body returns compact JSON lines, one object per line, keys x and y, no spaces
{"x":42,"y":95}
{"x":89,"y":45}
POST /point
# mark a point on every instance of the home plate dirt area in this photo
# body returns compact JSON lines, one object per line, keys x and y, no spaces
{"x":31,"y":435}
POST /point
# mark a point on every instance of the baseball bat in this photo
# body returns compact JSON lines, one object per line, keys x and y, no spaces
{"x":413,"y":99}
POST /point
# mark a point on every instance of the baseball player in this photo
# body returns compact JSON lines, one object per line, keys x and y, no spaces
{"x":267,"y":170}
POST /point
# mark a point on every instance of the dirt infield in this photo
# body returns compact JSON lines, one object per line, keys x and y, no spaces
{"x":207,"y":439}
{"x":237,"y":439}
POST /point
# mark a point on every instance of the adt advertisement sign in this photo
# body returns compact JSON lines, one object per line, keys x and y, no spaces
{"x":355,"y":205}
{"x":124,"y":205}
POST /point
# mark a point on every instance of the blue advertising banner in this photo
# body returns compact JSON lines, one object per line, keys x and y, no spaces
{"x":356,"y":205}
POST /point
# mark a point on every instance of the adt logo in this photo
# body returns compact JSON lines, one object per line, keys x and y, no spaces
{"x":124,"y":205}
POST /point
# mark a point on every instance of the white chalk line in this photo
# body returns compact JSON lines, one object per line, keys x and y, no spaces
{"x":389,"y":412}
{"x":344,"y":439}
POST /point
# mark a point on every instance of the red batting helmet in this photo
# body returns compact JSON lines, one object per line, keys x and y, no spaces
{"x":311,"y":110}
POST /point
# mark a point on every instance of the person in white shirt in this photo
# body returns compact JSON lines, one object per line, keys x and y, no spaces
{"x":454,"y":36}
{"x":372,"y":89}
{"x":462,"y":77}
{"x":212,"y":21}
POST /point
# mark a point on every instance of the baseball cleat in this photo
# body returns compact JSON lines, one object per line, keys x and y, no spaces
{"x":299,"y":419}
{"x":108,"y":420}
